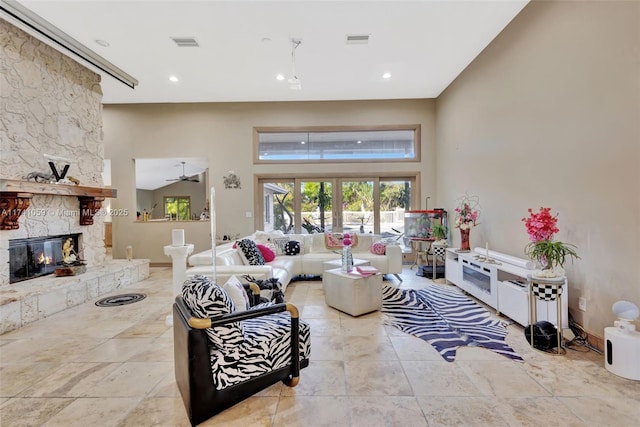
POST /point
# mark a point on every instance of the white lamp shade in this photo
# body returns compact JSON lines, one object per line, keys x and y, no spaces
{"x":626,"y":310}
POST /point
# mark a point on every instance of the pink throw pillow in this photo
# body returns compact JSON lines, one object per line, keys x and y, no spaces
{"x":267,"y":253}
{"x":378,"y":248}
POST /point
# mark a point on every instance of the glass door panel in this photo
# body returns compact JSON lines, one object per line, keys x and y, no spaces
{"x":395,"y":198}
{"x":357,"y":202}
{"x":278,"y":206}
{"x":316,"y":206}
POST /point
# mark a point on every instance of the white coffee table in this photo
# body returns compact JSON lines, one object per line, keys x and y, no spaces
{"x":352,"y":293}
{"x":337,"y":263}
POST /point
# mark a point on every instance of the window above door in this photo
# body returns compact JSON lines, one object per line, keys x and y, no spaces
{"x":397,"y":143}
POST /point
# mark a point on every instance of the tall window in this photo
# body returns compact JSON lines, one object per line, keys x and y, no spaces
{"x":337,"y":144}
{"x":177,"y":207}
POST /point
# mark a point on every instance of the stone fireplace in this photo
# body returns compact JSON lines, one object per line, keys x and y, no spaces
{"x":50,"y":104}
{"x":39,"y":256}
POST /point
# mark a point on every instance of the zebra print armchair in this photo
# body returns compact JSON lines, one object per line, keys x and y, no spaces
{"x":222,"y":357}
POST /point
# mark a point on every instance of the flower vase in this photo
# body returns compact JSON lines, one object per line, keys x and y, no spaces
{"x":347,"y":259}
{"x":464,"y":240}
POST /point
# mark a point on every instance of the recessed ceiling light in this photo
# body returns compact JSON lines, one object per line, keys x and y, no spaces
{"x":386,"y":76}
{"x":358,"y":142}
{"x":280,"y":77}
{"x":173,"y":79}
{"x":102,"y":43}
{"x":303,"y":142}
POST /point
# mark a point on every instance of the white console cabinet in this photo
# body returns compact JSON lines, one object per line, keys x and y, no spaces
{"x":501,"y":285}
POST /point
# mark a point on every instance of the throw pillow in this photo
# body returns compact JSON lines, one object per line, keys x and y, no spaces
{"x":378,"y":248}
{"x":250,"y":253}
{"x":281,"y":244}
{"x":266,"y":252}
{"x":334,"y":240}
{"x":261,"y":237}
{"x":273,"y":248}
{"x":236,"y":292}
{"x":206,"y":299}
{"x":292,"y":248}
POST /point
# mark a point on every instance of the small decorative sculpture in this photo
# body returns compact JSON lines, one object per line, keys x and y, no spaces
{"x":231,"y":180}
{"x":38,"y":176}
{"x":68,"y":253}
{"x":58,"y":175}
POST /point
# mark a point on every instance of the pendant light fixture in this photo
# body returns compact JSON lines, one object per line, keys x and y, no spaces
{"x":294,"y":81}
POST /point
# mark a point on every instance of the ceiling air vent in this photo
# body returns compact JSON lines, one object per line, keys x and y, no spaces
{"x":185,"y":41}
{"x":357,"y":38}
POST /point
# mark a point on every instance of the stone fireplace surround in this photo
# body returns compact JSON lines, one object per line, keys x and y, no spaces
{"x":50,"y":104}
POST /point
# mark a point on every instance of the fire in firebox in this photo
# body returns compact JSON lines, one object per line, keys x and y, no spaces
{"x":43,"y":259}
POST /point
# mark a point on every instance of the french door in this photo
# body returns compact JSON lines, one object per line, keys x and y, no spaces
{"x":341,"y":204}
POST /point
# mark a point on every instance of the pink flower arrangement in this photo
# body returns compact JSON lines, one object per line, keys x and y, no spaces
{"x":541,"y":226}
{"x":346,"y":239}
{"x":466,"y":214}
{"x":551,"y":254}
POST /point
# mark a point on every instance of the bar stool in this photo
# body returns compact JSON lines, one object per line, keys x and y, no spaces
{"x":546,"y":289}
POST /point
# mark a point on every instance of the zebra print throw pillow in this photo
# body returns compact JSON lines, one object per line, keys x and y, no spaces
{"x":205,"y":299}
{"x":250,"y":252}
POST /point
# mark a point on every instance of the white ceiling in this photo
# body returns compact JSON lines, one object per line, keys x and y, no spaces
{"x":152,"y":174}
{"x":423,"y":44}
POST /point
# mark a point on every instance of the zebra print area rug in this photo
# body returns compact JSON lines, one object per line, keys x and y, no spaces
{"x":445,"y":319}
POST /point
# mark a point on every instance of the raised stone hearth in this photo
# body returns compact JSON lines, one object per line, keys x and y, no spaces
{"x":25,"y":302}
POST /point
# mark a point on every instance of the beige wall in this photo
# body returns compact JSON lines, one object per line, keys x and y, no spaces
{"x":548,"y":115}
{"x":222,"y":132}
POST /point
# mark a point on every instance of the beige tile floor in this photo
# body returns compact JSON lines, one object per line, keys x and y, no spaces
{"x":92,"y":366}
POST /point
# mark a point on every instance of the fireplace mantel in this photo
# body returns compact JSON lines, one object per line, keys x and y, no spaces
{"x":15,"y":197}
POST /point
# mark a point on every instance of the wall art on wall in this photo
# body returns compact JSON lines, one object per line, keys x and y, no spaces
{"x":231,"y":180}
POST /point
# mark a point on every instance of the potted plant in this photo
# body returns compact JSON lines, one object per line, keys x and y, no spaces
{"x":550,"y":253}
{"x":439,"y":232}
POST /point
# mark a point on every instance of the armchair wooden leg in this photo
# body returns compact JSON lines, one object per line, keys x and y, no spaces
{"x":293,"y":379}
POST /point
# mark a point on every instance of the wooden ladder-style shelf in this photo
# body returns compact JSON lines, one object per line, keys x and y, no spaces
{"x":15,"y":197}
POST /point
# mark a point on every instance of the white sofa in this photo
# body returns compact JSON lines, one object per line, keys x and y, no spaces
{"x":310,"y":261}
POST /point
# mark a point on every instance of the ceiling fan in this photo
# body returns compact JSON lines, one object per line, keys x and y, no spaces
{"x":184,"y":177}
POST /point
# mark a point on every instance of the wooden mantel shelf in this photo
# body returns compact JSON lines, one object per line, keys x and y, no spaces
{"x":17,"y":186}
{"x":15,"y":197}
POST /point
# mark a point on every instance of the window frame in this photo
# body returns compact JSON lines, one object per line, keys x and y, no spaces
{"x":297,"y":178}
{"x":417,"y":137}
{"x":178,"y":199}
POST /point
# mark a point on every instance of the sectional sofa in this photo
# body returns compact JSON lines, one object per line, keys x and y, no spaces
{"x":315,"y":250}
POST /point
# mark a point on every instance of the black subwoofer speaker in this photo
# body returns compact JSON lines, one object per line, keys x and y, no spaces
{"x":545,"y":335}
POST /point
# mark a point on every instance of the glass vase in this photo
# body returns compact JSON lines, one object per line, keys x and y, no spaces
{"x":347,"y":259}
{"x":464,"y":239}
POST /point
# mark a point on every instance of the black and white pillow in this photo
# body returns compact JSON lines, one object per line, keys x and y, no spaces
{"x":236,"y":292}
{"x":206,"y":299}
{"x":249,"y":252}
{"x":292,"y":247}
{"x":281,"y":244}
